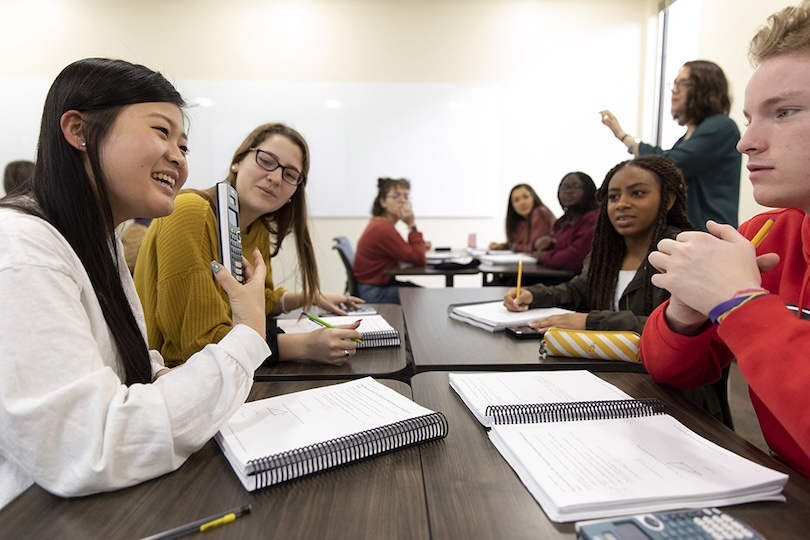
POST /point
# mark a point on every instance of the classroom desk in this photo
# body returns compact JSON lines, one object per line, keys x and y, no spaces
{"x":529,"y":270}
{"x":430,"y":271}
{"x":385,"y":362}
{"x":382,"y":497}
{"x":472,"y":492}
{"x":440,"y":343}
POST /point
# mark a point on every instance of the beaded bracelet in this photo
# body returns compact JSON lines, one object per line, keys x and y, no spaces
{"x":721,"y":310}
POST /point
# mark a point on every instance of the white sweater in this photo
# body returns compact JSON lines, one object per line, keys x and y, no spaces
{"x":67,"y":422}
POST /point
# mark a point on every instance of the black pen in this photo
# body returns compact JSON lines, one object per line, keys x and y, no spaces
{"x":202,"y":525}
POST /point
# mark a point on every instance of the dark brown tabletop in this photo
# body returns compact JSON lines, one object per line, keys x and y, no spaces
{"x":472,"y":492}
{"x":440,"y":343}
{"x":382,"y":497}
{"x":448,"y":274}
{"x":385,"y":362}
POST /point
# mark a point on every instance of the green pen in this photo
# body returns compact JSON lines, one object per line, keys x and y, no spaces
{"x":325,"y":324}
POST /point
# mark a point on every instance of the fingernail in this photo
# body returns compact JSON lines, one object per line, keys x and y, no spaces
{"x":215,"y":266}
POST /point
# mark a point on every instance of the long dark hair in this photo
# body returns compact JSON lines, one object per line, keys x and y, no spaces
{"x":513,"y":218}
{"x":292,"y":217}
{"x":609,"y":246}
{"x":77,"y":205}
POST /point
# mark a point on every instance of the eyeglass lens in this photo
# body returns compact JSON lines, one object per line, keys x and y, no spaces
{"x":269,"y":163}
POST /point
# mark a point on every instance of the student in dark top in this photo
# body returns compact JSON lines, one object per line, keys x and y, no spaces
{"x":569,"y":241}
{"x":707,"y":153}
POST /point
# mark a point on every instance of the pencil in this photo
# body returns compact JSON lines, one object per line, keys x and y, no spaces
{"x":202,"y":525}
{"x":325,"y":324}
{"x":520,"y":275}
{"x":760,"y":236}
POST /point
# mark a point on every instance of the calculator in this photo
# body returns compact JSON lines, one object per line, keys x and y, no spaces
{"x":230,"y":237}
{"x":705,"y":523}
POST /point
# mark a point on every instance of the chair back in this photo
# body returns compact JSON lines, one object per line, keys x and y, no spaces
{"x":346,"y":252}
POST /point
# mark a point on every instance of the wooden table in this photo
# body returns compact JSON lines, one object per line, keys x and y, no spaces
{"x":382,"y":497}
{"x":440,"y":343}
{"x":385,"y":362}
{"x":430,"y":271}
{"x":472,"y":492}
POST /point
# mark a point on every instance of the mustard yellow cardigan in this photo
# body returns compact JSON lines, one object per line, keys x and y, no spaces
{"x":185,"y":308}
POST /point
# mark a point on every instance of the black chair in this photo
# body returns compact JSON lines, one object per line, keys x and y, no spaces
{"x":346,"y":252}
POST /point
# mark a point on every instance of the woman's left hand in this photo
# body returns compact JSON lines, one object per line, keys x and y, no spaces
{"x":570,"y":321}
{"x":338,"y":303}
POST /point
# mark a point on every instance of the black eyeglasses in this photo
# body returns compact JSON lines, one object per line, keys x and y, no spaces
{"x":269,"y":162}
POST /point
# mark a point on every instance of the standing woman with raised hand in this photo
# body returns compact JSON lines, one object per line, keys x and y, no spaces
{"x":527,"y":220}
{"x":81,"y":407}
{"x":184,"y":308}
{"x":707,"y":153}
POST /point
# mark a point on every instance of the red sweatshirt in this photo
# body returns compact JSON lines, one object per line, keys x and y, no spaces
{"x":768,"y":340}
{"x":380,"y":247}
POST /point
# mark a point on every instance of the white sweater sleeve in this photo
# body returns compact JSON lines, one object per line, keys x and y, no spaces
{"x":67,"y":422}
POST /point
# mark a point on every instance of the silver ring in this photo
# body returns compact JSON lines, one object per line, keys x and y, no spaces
{"x":345,"y":353}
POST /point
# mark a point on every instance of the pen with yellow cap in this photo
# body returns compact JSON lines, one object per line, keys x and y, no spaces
{"x":202,"y":525}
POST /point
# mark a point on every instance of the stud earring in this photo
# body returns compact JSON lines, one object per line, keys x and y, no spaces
{"x":84,"y":144}
{"x":234,"y":168}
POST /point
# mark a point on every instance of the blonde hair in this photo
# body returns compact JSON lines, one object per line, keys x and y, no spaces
{"x":787,"y":31}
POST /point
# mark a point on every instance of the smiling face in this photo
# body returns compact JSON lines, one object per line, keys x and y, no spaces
{"x":522,"y":202}
{"x":144,"y":160}
{"x":633,"y":202}
{"x":264,"y":192}
{"x":777,"y":107}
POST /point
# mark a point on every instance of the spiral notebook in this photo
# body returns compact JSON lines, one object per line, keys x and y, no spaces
{"x":377,"y":332}
{"x":273,"y":440}
{"x":610,"y":457}
{"x":494,"y":317}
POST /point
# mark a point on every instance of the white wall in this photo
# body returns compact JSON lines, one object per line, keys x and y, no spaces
{"x":555,"y":63}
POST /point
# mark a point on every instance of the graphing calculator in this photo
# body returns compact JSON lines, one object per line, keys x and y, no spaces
{"x":230,"y":238}
{"x":705,"y":523}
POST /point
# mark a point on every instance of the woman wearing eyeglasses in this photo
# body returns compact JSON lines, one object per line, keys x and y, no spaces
{"x":707,"y":153}
{"x":185,"y":310}
{"x":381,"y":246}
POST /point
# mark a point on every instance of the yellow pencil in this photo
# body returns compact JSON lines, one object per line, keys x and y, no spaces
{"x":756,"y":240}
{"x":520,"y":275}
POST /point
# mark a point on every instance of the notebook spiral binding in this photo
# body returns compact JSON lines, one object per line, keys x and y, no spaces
{"x":583,"y":410}
{"x":342,"y":450}
{"x":383,"y":338}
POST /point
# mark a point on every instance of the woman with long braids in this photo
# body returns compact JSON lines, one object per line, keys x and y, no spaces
{"x":640,"y":202}
{"x":85,"y":407}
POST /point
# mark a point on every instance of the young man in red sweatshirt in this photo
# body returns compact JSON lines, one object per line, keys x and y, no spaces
{"x":731,"y":299}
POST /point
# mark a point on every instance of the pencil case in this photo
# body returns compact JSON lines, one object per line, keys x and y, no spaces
{"x":620,"y":345}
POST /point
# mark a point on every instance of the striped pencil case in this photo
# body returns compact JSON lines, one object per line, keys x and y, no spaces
{"x":620,"y":345}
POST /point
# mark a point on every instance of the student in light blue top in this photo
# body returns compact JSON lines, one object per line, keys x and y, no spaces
{"x":707,"y":153}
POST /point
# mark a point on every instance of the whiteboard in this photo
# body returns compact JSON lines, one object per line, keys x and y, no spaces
{"x":439,"y":136}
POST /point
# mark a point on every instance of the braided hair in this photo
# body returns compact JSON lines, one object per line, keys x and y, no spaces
{"x":609,"y":247}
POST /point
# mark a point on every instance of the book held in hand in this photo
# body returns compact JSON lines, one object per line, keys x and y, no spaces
{"x":586,"y":459}
{"x":494,"y":317}
{"x":273,"y":440}
{"x":377,"y":332}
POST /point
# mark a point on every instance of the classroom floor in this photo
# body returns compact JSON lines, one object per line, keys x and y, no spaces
{"x":742,"y":412}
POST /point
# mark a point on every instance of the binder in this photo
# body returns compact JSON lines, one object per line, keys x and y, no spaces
{"x":278,"y":439}
{"x":610,"y":457}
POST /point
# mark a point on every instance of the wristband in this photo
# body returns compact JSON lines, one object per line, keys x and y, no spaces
{"x":624,"y":137}
{"x":719,"y":312}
